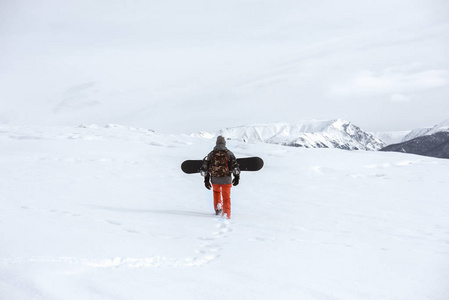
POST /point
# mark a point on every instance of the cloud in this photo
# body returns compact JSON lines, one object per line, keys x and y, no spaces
{"x":393,"y":80}
{"x":399,"y":98}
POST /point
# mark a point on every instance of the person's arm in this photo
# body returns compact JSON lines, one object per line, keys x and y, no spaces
{"x":205,"y":171}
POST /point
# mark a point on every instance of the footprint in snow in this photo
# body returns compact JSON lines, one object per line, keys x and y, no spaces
{"x":211,"y":246}
{"x":112,"y":222}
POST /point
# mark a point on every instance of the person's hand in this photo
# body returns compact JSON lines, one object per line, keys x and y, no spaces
{"x":236,"y":180}
{"x":207,"y":182}
{"x":207,"y":185}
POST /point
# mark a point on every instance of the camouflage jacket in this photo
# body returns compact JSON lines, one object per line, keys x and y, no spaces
{"x":233,"y":166}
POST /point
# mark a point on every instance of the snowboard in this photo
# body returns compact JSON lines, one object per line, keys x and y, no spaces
{"x":245,"y":164}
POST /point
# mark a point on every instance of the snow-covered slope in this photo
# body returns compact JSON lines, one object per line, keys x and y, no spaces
{"x":309,"y":134}
{"x":432,"y":141}
{"x":416,"y":133}
{"x":435,"y":145}
{"x":106,"y":213}
{"x":441,"y":127}
{"x":391,"y":137}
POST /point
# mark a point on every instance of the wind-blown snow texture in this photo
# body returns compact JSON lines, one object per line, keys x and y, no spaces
{"x":106,"y":213}
{"x":309,"y":134}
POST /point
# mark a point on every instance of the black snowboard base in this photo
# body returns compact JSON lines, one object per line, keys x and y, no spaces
{"x":245,"y":164}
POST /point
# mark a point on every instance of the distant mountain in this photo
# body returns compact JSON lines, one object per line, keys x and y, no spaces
{"x":392,"y":137}
{"x":415,"y":133}
{"x":442,"y":127}
{"x":337,"y":133}
{"x":432,"y":141}
{"x":203,"y":134}
{"x":434,"y":145}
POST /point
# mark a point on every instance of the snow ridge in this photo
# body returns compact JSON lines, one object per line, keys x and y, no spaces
{"x":441,"y":127}
{"x":391,"y":137}
{"x":338,"y":133}
{"x":434,"y":145}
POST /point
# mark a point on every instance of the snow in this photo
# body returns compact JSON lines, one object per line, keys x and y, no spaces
{"x":263,"y":132}
{"x":443,"y":126}
{"x":337,"y":133}
{"x":95,"y":212}
{"x":416,"y":133}
{"x":391,"y":137}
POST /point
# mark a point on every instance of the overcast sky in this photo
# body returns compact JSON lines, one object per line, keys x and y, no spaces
{"x":184,"y":66}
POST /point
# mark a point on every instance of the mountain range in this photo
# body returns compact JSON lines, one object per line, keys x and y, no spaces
{"x":443,"y":126}
{"x":336,"y":133}
{"x":432,"y":141}
{"x":391,"y":137}
{"x":342,"y":134}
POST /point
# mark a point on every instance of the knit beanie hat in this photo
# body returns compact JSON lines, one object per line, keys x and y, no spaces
{"x":221,"y":140}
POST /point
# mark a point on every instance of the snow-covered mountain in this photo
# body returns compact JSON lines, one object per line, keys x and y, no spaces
{"x":337,"y":133}
{"x":415,"y":133}
{"x":434,"y":145}
{"x":432,"y":141}
{"x":441,"y":127}
{"x":391,"y":137}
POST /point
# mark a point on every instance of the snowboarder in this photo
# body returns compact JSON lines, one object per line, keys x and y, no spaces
{"x":217,"y":167}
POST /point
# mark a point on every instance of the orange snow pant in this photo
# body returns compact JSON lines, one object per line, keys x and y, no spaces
{"x":225,"y":191}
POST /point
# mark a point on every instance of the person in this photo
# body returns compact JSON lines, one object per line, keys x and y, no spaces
{"x":217,"y":168}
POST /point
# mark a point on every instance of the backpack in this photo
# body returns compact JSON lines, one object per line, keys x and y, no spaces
{"x":218,"y":166}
